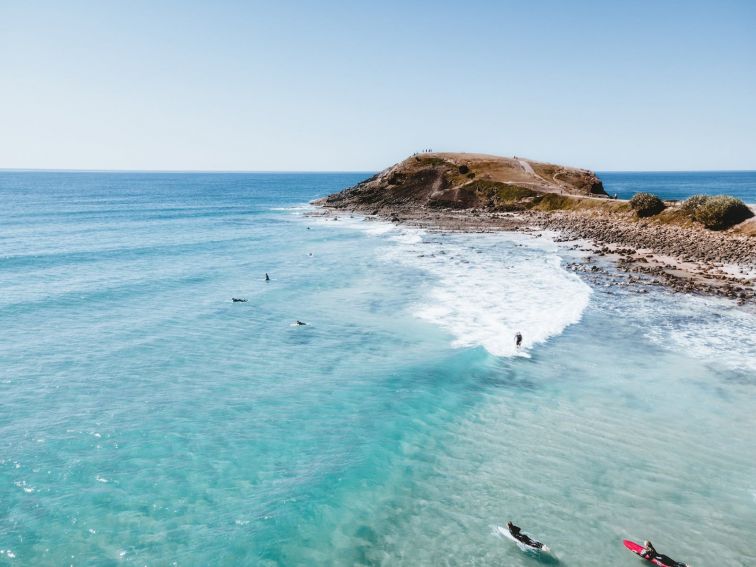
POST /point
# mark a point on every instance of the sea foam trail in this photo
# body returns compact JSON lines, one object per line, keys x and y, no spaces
{"x":484,"y":288}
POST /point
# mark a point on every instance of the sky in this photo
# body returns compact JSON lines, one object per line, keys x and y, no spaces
{"x":357,"y":86}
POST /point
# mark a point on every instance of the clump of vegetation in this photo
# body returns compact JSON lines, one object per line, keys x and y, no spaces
{"x":646,"y":204}
{"x":514,"y":193}
{"x":717,"y":213}
{"x":463,"y":169}
{"x":433,"y":160}
{"x":501,"y":191}
{"x":502,"y":196}
{"x":692,"y":203}
{"x":553,"y":202}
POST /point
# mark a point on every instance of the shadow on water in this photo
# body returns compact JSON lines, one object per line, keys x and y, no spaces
{"x":544,"y":559}
{"x":532,"y":556}
{"x":366,"y":540}
{"x":540,"y":558}
{"x":495,"y":372}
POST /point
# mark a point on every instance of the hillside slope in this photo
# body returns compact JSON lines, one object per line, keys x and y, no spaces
{"x":463,"y":181}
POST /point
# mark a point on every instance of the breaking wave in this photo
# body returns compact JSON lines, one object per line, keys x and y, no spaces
{"x":485,"y":288}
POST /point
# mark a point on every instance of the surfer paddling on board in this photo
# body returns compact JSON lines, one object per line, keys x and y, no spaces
{"x":522,"y":538}
{"x":518,"y":339}
{"x":650,"y":554}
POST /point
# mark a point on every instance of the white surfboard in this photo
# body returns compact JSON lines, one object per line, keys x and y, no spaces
{"x":505,"y":532}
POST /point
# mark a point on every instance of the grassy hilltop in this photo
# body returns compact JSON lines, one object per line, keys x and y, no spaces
{"x":438,"y":181}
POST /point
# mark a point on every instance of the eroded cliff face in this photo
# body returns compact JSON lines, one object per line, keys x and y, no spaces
{"x":464,"y":181}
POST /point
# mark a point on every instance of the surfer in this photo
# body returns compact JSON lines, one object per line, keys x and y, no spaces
{"x":518,"y":339}
{"x":521,"y":537}
{"x":267,"y":277}
{"x":299,"y":323}
{"x":650,"y":553}
{"x":238,"y":300}
{"x":648,"y":550}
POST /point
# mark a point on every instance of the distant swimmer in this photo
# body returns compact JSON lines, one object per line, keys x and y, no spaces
{"x":238,"y":300}
{"x":309,"y":254}
{"x":267,"y":277}
{"x":518,"y":339}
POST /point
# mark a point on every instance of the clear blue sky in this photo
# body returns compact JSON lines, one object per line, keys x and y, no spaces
{"x":276,"y":85}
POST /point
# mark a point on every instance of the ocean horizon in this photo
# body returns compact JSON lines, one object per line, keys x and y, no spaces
{"x":146,"y":418}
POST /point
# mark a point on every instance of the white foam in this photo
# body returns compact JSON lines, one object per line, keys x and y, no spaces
{"x":489,"y":287}
{"x":712,"y":330}
{"x":486,"y":287}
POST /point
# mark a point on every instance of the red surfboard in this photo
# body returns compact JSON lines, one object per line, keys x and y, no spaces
{"x":637,"y":549}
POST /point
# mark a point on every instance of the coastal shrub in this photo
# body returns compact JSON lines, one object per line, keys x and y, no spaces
{"x":721,"y":212}
{"x":691,"y":204}
{"x":646,"y":204}
{"x":463,"y":169}
{"x":514,"y":193}
{"x":500,"y":191}
{"x":553,"y":202}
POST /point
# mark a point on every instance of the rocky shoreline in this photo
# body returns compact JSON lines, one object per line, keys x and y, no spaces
{"x":682,"y":259}
{"x":685,"y":259}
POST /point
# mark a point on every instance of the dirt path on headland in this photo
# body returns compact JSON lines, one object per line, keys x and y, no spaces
{"x":528,"y":168}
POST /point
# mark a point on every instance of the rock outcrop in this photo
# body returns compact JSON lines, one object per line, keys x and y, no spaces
{"x":465,"y":181}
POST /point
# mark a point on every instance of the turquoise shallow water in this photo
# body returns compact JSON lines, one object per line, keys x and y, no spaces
{"x":145,"y":419}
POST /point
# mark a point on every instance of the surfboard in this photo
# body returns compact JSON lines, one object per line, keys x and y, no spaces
{"x":525,"y":547}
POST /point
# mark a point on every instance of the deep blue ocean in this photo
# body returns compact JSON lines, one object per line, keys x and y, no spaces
{"x":146,"y":419}
{"x":678,"y":185}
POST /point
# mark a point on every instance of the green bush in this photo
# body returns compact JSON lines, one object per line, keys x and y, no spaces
{"x":721,"y":212}
{"x":646,"y":204}
{"x":691,"y":204}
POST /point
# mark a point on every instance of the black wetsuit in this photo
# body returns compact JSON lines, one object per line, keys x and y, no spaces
{"x":522,"y":538}
{"x":665,"y":559}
